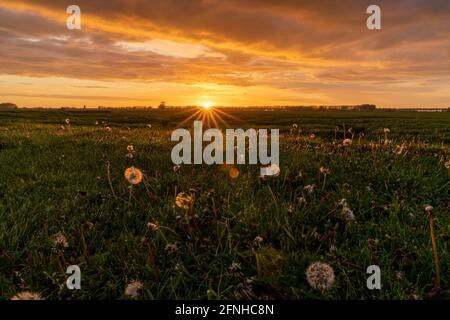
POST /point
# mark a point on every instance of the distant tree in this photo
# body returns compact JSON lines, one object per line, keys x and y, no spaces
{"x":7,"y":106}
{"x":162,"y":105}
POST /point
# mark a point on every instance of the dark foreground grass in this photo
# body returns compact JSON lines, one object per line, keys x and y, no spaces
{"x":246,"y":237}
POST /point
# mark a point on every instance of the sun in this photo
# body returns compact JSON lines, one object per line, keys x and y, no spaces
{"x":207,"y":105}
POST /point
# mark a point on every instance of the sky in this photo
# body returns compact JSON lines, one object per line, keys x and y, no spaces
{"x":228,"y":53}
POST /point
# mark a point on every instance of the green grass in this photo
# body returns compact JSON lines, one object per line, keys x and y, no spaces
{"x":54,"y":180}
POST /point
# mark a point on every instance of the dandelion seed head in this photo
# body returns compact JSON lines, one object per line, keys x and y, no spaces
{"x":258,"y":239}
{"x":235,"y":266}
{"x":133,"y":175}
{"x":134,"y":289}
{"x":59,"y":240}
{"x":428,"y":208}
{"x":290,"y":208}
{"x":324,"y":170}
{"x":347,"y":213}
{"x":320,"y":276}
{"x":347,"y":142}
{"x":153,"y":226}
{"x":309,"y":188}
{"x":171,"y":248}
{"x":447,"y":165}
{"x":183,"y":201}
{"x":27,"y":295}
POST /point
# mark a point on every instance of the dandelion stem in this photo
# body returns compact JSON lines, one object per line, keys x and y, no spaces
{"x":435,"y":252}
{"x":129,"y":198}
{"x":108,"y":174}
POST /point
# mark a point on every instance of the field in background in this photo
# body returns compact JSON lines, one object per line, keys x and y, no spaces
{"x":246,"y":237}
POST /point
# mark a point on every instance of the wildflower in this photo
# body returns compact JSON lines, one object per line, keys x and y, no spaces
{"x":176,"y":168}
{"x":272,"y":170}
{"x":372,"y":243}
{"x":399,"y":149}
{"x":134,"y":289}
{"x":346,"y":212}
{"x":59,"y":240}
{"x":347,"y":142}
{"x":96,"y":122}
{"x":129,"y":156}
{"x":130,"y":148}
{"x":309,"y":188}
{"x":235,"y":266}
{"x":295,"y":126}
{"x":320,"y":276}
{"x":428,"y":208}
{"x":108,"y":129}
{"x":133,"y":175}
{"x":149,"y":126}
{"x":324,"y":170}
{"x":244,"y":290}
{"x":67,"y":121}
{"x":27,"y":295}
{"x":153,"y":226}
{"x":312,"y":136}
{"x":183,"y":200}
{"x":234,"y":173}
{"x":171,"y":248}
{"x":290,"y":209}
{"x":447,"y":165}
{"x":258,"y":239}
{"x":386,"y":130}
{"x":62,"y":128}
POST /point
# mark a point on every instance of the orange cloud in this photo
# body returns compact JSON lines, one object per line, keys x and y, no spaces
{"x":248,"y":48}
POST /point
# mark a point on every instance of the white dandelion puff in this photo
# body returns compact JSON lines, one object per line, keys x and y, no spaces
{"x":27,"y":295}
{"x":133,"y":175}
{"x":134,"y":289}
{"x":320,"y":276}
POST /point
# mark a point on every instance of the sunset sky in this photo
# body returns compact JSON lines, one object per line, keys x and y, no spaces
{"x":228,"y":52}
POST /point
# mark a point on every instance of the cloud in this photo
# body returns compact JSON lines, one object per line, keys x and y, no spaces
{"x":284,"y":44}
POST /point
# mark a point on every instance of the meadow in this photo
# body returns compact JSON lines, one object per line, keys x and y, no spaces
{"x":64,"y":201}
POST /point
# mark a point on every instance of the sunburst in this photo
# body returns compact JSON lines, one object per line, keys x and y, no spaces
{"x":210,"y":116}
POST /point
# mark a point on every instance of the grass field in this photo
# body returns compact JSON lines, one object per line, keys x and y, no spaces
{"x":245,"y":237}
